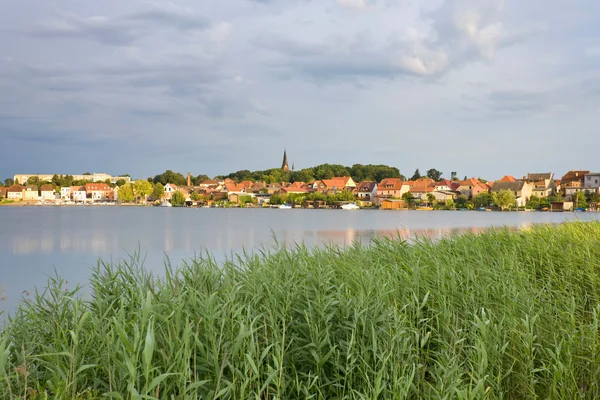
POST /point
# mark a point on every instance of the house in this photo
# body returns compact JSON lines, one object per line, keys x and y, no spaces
{"x":15,"y":192}
{"x":293,"y":190}
{"x":446,"y":185}
{"x":366,"y":190}
{"x":507,"y":178}
{"x":47,"y":192}
{"x":78,"y":193}
{"x":65,"y":193}
{"x":422,"y":187}
{"x":543,"y":184}
{"x":389,"y":187}
{"x":334,"y":185}
{"x":3,"y":192}
{"x":473,"y":186}
{"x":591,"y":180}
{"x":393,"y":204}
{"x":209,"y":183}
{"x":99,"y":191}
{"x":522,"y":190}
{"x":170,"y":188}
{"x":572,"y":182}
{"x":557,"y":206}
{"x":31,"y":193}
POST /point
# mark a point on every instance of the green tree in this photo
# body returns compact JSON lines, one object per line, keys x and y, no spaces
{"x":125,"y":193}
{"x":158,"y":192}
{"x":534,"y":202}
{"x":8,"y":182}
{"x":594,"y":197}
{"x":482,"y":199}
{"x":121,"y":182}
{"x":171,"y":177}
{"x":504,"y":199}
{"x":461,"y":201}
{"x":87,"y":173}
{"x":453,"y":176}
{"x":580,"y":200}
{"x":177,"y":199}
{"x":434,"y":174}
{"x":142,"y":188}
{"x":199,"y":179}
{"x":276,"y":199}
{"x":408,"y":198}
{"x":430,"y":199}
{"x":416,"y":175}
{"x":195,"y":196}
{"x":33,"y":180}
{"x":450,"y":204}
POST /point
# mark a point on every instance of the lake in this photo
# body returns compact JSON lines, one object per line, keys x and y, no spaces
{"x":37,"y":241}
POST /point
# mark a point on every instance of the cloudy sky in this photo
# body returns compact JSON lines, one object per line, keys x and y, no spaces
{"x":484,"y":88}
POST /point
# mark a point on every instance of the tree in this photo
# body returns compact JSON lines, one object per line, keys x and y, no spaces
{"x":142,"y":188}
{"x":33,"y":180}
{"x":195,"y":196}
{"x":461,"y":201}
{"x":580,"y":200}
{"x":170,"y":177}
{"x":594,"y":197}
{"x":177,"y":199}
{"x":430,"y":198}
{"x":434,"y":174}
{"x":450,"y":204}
{"x":453,"y":176}
{"x":276,"y":199}
{"x":199,"y":179}
{"x":504,"y":199}
{"x":534,"y":202}
{"x":408,"y":198}
{"x":482,"y":180}
{"x":125,"y":193}
{"x":416,"y":175}
{"x":87,"y":173}
{"x":482,"y":199}
{"x":8,"y":182}
{"x":158,"y":192}
{"x":121,"y":182}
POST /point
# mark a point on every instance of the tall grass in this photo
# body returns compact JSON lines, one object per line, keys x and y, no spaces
{"x":502,"y":315}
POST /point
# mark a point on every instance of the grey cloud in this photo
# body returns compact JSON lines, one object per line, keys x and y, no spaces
{"x":120,"y":30}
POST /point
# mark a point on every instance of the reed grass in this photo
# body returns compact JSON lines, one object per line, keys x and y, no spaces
{"x":501,"y":315}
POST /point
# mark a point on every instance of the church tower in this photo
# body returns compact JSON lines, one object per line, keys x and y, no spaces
{"x":284,"y":166}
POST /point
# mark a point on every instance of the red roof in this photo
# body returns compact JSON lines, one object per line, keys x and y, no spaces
{"x":390,"y":184}
{"x":507,"y":178}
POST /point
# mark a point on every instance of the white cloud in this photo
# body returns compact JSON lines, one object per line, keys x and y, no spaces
{"x":356,"y":4}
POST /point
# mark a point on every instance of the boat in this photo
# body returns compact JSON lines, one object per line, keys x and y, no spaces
{"x":350,"y":206}
{"x":284,"y":206}
{"x":166,"y":204}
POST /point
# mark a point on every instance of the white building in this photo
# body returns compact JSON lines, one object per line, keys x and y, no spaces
{"x":78,"y":193}
{"x":65,"y":193}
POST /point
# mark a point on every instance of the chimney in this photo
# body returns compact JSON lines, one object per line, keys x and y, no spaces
{"x":189,"y":180}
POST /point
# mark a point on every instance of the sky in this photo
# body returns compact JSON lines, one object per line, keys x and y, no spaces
{"x":481,"y":87}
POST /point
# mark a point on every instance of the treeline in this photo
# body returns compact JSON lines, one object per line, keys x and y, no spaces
{"x":358,"y":172}
{"x":60,"y":181}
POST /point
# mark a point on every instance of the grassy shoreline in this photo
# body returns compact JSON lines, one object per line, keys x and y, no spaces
{"x":503,"y":314}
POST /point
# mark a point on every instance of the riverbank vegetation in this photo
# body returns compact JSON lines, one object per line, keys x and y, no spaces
{"x":506,"y":314}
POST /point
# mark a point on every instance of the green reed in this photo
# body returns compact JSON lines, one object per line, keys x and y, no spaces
{"x":501,"y":315}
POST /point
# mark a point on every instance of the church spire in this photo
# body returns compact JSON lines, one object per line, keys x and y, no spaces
{"x":284,"y":165}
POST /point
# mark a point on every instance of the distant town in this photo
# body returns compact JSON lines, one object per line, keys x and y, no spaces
{"x":324,"y":186}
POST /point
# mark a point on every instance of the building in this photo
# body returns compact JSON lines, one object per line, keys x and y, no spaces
{"x":78,"y":193}
{"x":65,"y":193}
{"x":393,"y":204}
{"x":334,"y":185}
{"x":15,"y":192}
{"x":543,"y":184}
{"x":472,"y":187}
{"x":572,"y":182}
{"x":3,"y":192}
{"x":522,"y":190}
{"x":366,"y":190}
{"x":95,"y":177}
{"x":389,"y":187}
{"x":47,"y":192}
{"x":285,"y":166}
{"x":99,"y":192}
{"x":591,"y":180}
{"x":421,"y":187}
{"x":31,"y":193}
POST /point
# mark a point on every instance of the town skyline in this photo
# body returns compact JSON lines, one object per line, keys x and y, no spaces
{"x":479,"y":87}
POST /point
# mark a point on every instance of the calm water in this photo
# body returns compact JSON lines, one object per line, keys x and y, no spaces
{"x":36,"y":241}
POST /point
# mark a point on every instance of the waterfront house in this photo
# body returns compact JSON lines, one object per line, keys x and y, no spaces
{"x":3,"y":192}
{"x":591,"y":183}
{"x":65,"y":193}
{"x":522,"y":190}
{"x":543,"y":184}
{"x":15,"y":192}
{"x":170,"y":188}
{"x":422,"y":187}
{"x":446,"y":185}
{"x":366,"y":190}
{"x":78,"y":193}
{"x":389,"y":187}
{"x":98,"y":191}
{"x":472,"y":187}
{"x":572,"y":182}
{"x":334,"y":185}
{"x":47,"y":192}
{"x":31,"y":192}
{"x":393,"y":204}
